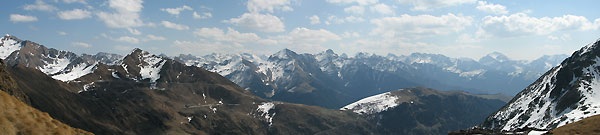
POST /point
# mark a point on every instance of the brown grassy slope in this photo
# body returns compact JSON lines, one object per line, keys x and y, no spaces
{"x":587,"y":126}
{"x":18,"y":118}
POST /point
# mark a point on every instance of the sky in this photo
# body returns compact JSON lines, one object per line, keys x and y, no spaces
{"x":520,"y":29}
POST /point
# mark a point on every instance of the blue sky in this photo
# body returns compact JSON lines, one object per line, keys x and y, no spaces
{"x":520,"y":29}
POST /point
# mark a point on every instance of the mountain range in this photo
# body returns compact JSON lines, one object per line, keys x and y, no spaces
{"x":305,"y":78}
{"x":142,"y":93}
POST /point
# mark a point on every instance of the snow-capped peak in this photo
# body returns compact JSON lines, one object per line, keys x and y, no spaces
{"x":565,"y":94}
{"x":8,"y":45}
{"x":283,"y":54}
{"x":149,"y":64}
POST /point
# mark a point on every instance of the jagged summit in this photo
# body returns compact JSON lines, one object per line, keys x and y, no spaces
{"x":284,"y":54}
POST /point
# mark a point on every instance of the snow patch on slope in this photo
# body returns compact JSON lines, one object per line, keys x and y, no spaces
{"x":373,"y":104}
{"x":264,"y":109}
{"x":152,"y":69}
{"x":56,"y":65}
{"x":77,"y":71}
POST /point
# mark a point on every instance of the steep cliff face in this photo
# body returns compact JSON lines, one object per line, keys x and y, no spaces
{"x":567,"y":93}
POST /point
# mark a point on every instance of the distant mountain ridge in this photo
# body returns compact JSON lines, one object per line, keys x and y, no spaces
{"x":325,"y":79}
{"x":292,"y":77}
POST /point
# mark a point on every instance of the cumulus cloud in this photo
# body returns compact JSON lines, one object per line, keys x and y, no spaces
{"x":351,"y":35}
{"x":127,"y":39}
{"x":81,"y":44}
{"x":171,"y":25}
{"x":231,"y":36}
{"x":409,"y":26}
{"x":134,"y":31}
{"x":359,"y":2}
{"x":126,"y":15}
{"x":268,"y":5}
{"x":314,"y":19}
{"x":258,"y":22}
{"x":335,"y":20}
{"x":520,"y":24}
{"x":74,"y":1}
{"x":355,"y":10}
{"x":307,"y":40}
{"x":560,"y":37}
{"x":203,"y":46}
{"x":305,"y":36}
{"x":425,"y":5}
{"x":40,"y":5}
{"x":491,"y":8}
{"x":15,"y":18}
{"x":382,"y":9}
{"x":151,"y":37}
{"x":176,"y":11}
{"x":204,"y":15}
{"x":74,"y":14}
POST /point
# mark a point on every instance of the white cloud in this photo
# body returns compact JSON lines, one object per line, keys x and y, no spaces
{"x":355,"y":10}
{"x":74,"y":1}
{"x":151,"y":37}
{"x":126,"y":15}
{"x":40,"y":6}
{"x":305,"y":36}
{"x":306,"y":40}
{"x":332,"y":19}
{"x":393,"y":46}
{"x":351,"y":35}
{"x":74,"y":14}
{"x":382,"y":9}
{"x":425,"y":5}
{"x":314,"y":19}
{"x":22,"y":18}
{"x":123,"y":48}
{"x":128,"y":39}
{"x":176,"y":11}
{"x":359,"y":2}
{"x":62,"y":33}
{"x":354,"y":19}
{"x":350,"y":19}
{"x":204,"y":15}
{"x":134,"y":31}
{"x":268,"y":5}
{"x":520,"y":24}
{"x":204,"y":46}
{"x":231,"y":36}
{"x":81,"y":44}
{"x":174,"y":25}
{"x":560,"y":37}
{"x":408,"y":26}
{"x":491,"y":8}
{"x":259,"y":22}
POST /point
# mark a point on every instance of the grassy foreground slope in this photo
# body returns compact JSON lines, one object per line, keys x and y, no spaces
{"x":587,"y":126}
{"x":18,"y":118}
